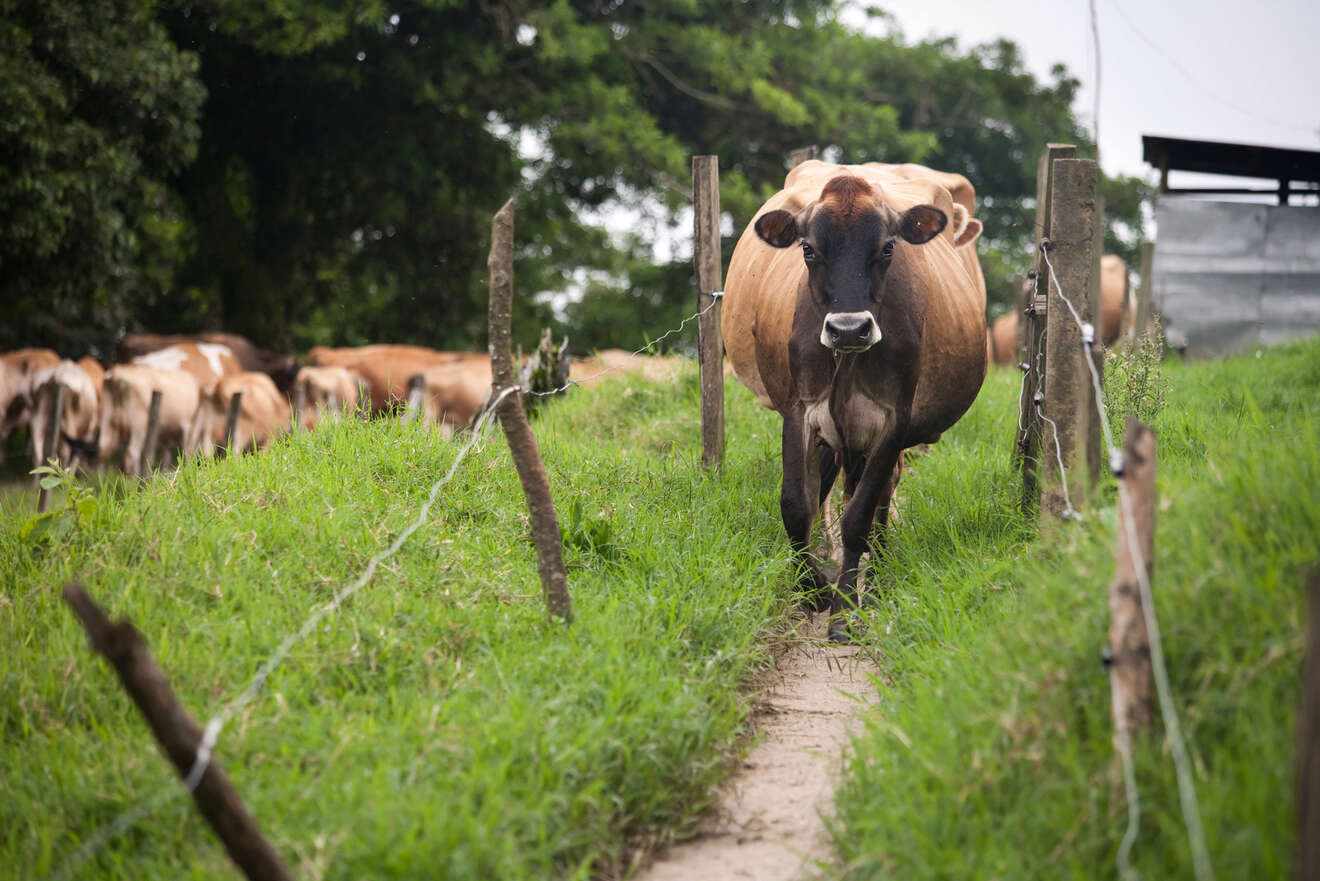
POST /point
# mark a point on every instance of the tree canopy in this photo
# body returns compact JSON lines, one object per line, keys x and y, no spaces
{"x":302,"y":173}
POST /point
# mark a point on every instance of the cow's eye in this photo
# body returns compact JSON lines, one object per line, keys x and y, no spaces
{"x":808,"y":253}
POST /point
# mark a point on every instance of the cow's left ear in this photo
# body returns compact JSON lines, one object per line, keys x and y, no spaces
{"x":921,"y":224}
{"x":778,"y":228}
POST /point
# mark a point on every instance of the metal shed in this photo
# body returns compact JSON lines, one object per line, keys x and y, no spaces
{"x":1230,"y":276}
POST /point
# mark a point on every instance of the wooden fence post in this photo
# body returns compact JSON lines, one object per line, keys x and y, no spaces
{"x":706,"y":256}
{"x":1068,"y":391}
{"x":522,"y":443}
{"x":1129,"y":644}
{"x":1308,"y":743}
{"x":299,"y":404}
{"x":800,"y":155}
{"x":153,"y":433}
{"x":1031,"y":329}
{"x":231,"y":421}
{"x":122,"y":645}
{"x":416,"y":396}
{"x":55,"y":392}
{"x":1145,"y":310}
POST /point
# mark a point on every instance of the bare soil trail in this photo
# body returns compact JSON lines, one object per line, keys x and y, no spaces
{"x":768,"y":825}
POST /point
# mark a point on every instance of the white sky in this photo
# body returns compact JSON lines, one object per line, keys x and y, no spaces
{"x":1218,"y":70}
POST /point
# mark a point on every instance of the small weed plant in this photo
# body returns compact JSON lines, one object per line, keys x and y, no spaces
{"x":1134,"y":380}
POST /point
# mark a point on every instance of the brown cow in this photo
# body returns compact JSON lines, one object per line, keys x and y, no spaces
{"x":608,"y":362}
{"x":263,"y":413}
{"x":855,"y":309}
{"x":280,"y":367}
{"x":126,"y":403}
{"x":386,"y":369}
{"x":455,"y":392}
{"x":205,"y":362}
{"x":326,"y":392}
{"x":1116,"y":312}
{"x":76,"y":433}
{"x":16,"y":369}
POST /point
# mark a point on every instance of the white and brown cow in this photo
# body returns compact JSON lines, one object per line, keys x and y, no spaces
{"x":78,"y":424}
{"x":854,"y":307}
{"x":263,"y":413}
{"x":386,"y":369}
{"x":16,"y":370}
{"x":126,"y":404}
{"x":205,"y":362}
{"x":281,"y":368}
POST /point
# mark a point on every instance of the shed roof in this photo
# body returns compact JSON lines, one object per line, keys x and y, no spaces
{"x":1238,"y":160}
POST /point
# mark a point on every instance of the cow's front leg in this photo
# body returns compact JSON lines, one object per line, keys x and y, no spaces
{"x":799,"y":499}
{"x":872,"y":492}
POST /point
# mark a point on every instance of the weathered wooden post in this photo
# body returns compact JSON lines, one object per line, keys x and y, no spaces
{"x":299,"y":404}
{"x":1308,"y":743}
{"x":416,"y":396}
{"x":509,"y":408}
{"x":231,"y":421}
{"x":1129,"y":645}
{"x":179,"y":737}
{"x":1145,"y":309}
{"x":55,"y":393}
{"x":800,"y":155}
{"x":706,"y":258}
{"x":1067,"y":404}
{"x":1031,"y":330}
{"x":153,"y":434}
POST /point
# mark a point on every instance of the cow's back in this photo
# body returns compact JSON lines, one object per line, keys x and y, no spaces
{"x":764,"y":283}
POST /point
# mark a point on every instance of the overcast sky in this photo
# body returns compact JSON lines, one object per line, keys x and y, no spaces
{"x":1217,"y":70}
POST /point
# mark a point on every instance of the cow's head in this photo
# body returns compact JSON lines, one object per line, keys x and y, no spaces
{"x":848,"y":237}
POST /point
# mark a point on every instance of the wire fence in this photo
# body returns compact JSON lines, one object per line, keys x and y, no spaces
{"x":1177,"y":743}
{"x":149,"y":804}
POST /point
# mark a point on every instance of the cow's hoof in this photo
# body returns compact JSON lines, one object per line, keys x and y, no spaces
{"x":840,"y":634}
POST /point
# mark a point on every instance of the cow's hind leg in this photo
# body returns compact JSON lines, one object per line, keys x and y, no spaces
{"x":799,"y":500}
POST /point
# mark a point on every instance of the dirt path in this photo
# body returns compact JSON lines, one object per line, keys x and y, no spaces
{"x":768,"y":824}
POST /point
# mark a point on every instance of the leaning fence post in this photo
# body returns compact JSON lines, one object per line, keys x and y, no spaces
{"x":1031,"y":330}
{"x":415,"y":396}
{"x":509,"y":408}
{"x":55,"y":391}
{"x":179,"y":737}
{"x":153,"y":433}
{"x":1308,"y":743}
{"x":1067,"y":392}
{"x":1129,"y":645}
{"x":706,"y":257}
{"x":231,"y":421}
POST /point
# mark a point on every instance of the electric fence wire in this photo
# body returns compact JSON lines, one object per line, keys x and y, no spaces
{"x":1177,"y":743}
{"x":148,"y":805}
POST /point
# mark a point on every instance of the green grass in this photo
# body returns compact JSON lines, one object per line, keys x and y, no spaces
{"x":438,"y":725}
{"x":990,"y":756}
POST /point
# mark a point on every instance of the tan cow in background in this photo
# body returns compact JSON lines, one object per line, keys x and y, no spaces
{"x":263,"y":414}
{"x":326,"y":392}
{"x":455,"y":392}
{"x":79,"y":414}
{"x":126,"y":402}
{"x":1117,"y":311}
{"x":387,"y":368}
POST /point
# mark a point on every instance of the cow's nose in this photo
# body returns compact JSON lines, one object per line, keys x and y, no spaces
{"x":849,"y":331}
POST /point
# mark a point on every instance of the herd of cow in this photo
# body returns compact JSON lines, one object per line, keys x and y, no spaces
{"x":105,"y":409}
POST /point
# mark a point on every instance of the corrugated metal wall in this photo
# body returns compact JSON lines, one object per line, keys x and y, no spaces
{"x":1230,"y":276}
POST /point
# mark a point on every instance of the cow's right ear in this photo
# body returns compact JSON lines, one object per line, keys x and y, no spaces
{"x":778,"y":228}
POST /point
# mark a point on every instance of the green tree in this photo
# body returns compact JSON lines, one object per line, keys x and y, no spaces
{"x":97,"y":107}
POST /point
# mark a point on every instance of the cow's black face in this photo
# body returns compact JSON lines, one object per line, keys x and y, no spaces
{"x":848,"y":243}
